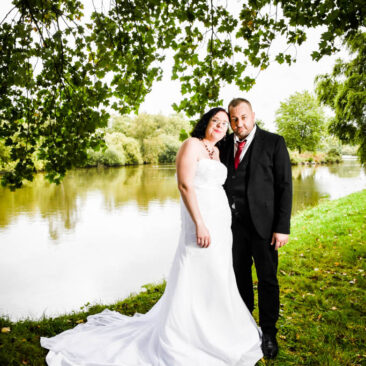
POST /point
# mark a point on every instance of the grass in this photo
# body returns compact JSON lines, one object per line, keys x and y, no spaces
{"x":322,"y":280}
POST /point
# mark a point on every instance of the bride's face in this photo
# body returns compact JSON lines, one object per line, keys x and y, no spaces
{"x":217,"y":127}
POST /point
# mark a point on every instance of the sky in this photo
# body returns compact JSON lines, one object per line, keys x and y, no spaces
{"x":273,"y":85}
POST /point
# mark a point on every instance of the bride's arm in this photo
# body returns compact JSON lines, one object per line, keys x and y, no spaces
{"x":186,"y":168}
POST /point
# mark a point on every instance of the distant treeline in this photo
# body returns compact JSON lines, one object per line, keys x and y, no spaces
{"x":143,"y":139}
{"x":152,"y":139}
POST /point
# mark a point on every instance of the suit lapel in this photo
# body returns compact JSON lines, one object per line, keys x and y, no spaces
{"x":229,"y":151}
{"x":257,"y":148}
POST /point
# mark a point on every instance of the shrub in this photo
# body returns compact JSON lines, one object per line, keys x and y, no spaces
{"x":110,"y":157}
{"x":171,"y":147}
{"x":132,"y":151}
{"x":152,"y":148}
{"x":334,"y":153}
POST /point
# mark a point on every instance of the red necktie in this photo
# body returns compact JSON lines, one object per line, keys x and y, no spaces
{"x":239,"y":149}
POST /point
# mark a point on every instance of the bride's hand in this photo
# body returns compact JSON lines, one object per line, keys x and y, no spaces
{"x":203,"y":236}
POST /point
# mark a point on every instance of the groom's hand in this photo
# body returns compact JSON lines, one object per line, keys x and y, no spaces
{"x":279,"y":239}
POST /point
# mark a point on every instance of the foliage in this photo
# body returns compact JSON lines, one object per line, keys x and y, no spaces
{"x":171,"y":147}
{"x":255,"y":26}
{"x":121,"y":124}
{"x":321,"y":266}
{"x":121,"y":150}
{"x":158,"y":135}
{"x":54,"y":66}
{"x":260,"y":123}
{"x":349,"y":150}
{"x":329,"y":142}
{"x":4,"y":154}
{"x":147,"y":125}
{"x":329,"y":157}
{"x":345,"y":92}
{"x":334,"y":153}
{"x":132,"y":151}
{"x":152,"y":148}
{"x":300,"y":120}
{"x":54,"y":102}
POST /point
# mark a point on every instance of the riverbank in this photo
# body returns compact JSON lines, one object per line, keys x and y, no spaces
{"x":322,"y":279}
{"x":313,"y":158}
{"x":114,"y":158}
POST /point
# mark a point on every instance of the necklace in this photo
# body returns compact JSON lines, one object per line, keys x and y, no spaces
{"x":210,"y":152}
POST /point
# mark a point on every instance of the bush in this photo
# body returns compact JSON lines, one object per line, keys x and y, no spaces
{"x":142,"y":139}
{"x":307,"y":157}
{"x":333,"y":156}
{"x":334,"y":153}
{"x":171,"y":147}
{"x":121,"y":150}
{"x":152,"y":148}
{"x":109,"y":157}
{"x":349,"y":149}
{"x":294,"y":157}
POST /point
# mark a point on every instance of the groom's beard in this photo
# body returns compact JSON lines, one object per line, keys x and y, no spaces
{"x":242,"y":132}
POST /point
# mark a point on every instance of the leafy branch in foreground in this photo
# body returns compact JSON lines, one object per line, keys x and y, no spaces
{"x":60,"y":74}
{"x":345,"y":92}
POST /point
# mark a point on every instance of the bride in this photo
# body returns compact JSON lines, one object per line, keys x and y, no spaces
{"x":201,"y":319}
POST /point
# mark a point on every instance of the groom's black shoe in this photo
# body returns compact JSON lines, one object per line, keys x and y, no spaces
{"x":269,"y":346}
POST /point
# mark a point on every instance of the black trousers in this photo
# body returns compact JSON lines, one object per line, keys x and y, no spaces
{"x":249,"y":246}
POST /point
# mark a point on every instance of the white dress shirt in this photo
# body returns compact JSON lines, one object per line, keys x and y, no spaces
{"x":249,"y":139}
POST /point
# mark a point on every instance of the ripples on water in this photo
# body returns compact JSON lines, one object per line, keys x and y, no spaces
{"x":103,"y":233}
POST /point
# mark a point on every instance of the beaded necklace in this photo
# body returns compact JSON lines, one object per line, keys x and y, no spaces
{"x":210,"y":152}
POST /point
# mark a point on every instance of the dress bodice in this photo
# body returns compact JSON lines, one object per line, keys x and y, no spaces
{"x":210,"y":173}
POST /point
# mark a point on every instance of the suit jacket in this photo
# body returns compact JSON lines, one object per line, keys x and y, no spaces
{"x":269,"y":183}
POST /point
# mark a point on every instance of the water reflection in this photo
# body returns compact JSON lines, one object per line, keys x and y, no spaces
{"x":103,"y":233}
{"x":305,"y":190}
{"x":60,"y":205}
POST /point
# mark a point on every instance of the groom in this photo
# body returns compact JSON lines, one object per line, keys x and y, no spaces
{"x":259,"y":190}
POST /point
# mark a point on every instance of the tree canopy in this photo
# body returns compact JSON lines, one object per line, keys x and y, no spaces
{"x":300,"y":120}
{"x":344,"y":90}
{"x":54,"y":65}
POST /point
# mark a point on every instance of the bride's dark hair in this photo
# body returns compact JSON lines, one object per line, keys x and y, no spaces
{"x":200,"y":129}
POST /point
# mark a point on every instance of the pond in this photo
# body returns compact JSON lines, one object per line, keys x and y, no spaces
{"x":104,"y":232}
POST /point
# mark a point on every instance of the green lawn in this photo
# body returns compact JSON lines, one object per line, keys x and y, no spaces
{"x":322,"y":280}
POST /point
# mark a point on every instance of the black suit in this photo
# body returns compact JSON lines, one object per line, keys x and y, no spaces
{"x":260,"y":196}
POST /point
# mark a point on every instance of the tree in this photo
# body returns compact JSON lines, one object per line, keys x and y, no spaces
{"x":54,"y":95}
{"x":171,"y":147}
{"x":345,"y":92}
{"x":300,"y":120}
{"x":260,"y":123}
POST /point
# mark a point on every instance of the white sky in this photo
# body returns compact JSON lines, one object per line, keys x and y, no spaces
{"x":273,"y":85}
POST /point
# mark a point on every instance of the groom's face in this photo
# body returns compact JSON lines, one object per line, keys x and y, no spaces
{"x":242,"y":120}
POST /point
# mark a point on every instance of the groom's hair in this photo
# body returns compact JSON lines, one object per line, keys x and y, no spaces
{"x":236,"y":101}
{"x":199,"y":130}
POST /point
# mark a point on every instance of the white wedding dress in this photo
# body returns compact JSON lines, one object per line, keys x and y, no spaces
{"x":200,"y":320}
